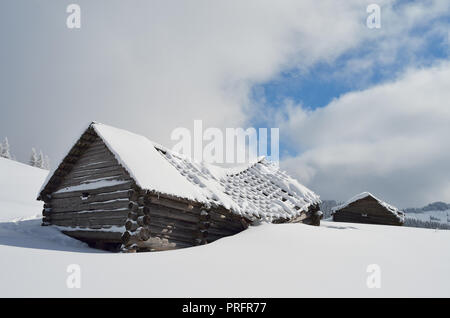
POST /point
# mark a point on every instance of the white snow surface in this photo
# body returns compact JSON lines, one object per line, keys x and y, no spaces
{"x":19,"y":184}
{"x":270,"y":260}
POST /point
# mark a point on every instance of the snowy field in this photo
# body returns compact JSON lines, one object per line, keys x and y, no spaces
{"x":288,"y":260}
{"x":19,"y":184}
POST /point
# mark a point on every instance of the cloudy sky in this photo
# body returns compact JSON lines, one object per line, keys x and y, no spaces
{"x":358,"y":109}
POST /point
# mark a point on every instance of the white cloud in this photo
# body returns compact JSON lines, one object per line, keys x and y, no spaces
{"x":152,"y":66}
{"x":156,"y":65}
{"x":392,"y":139}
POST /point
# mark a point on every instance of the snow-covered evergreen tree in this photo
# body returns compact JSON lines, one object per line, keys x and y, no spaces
{"x":33,"y":158}
{"x":46,"y":163}
{"x":41,"y":159}
{"x":5,"y":153}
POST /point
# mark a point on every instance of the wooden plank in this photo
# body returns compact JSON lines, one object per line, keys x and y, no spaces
{"x":161,"y":221}
{"x":118,"y":174}
{"x":104,"y":236}
{"x":77,"y":172}
{"x":127,"y":185}
{"x":88,"y":182}
{"x":101,"y":197}
{"x":95,"y":164}
{"x":94,"y":223}
{"x":96,"y":151}
{"x":162,"y":211}
{"x":61,"y":208}
{"x":97,"y":144}
{"x":170,"y":204}
{"x":174,"y":199}
{"x":93,"y":214}
{"x":94,"y":158}
{"x":228,"y":224}
{"x":80,"y":177}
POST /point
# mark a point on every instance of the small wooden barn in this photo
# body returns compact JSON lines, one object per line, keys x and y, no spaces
{"x":366,"y":208}
{"x":117,"y":190}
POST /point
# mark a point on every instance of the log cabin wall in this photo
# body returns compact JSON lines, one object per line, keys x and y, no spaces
{"x":147,"y":221}
{"x":95,"y":209}
{"x":366,"y":210}
{"x":162,"y":223}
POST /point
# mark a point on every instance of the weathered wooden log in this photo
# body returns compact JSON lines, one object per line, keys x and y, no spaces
{"x":231,"y":225}
{"x":156,"y":243}
{"x":144,"y":210}
{"x":95,"y":146}
{"x":89,"y":158}
{"x":168,"y":232}
{"x":174,"y":238}
{"x":132,"y":195}
{"x":101,"y":206}
{"x":90,"y":222}
{"x":126,"y":238}
{"x":174,"y":224}
{"x":143,"y":220}
{"x":94,"y":175}
{"x":142,"y":234}
{"x":104,"y":213}
{"x":70,"y":182}
{"x":204,"y":217}
{"x":82,"y":172}
{"x":141,"y":201}
{"x":204,"y":225}
{"x":133,"y":216}
{"x":80,"y":166}
{"x":88,"y":198}
{"x":104,"y":236}
{"x":133,"y":206}
{"x":126,"y":185}
{"x":151,"y":199}
{"x":131,"y":226}
{"x":163,"y":211}
{"x":46,"y":221}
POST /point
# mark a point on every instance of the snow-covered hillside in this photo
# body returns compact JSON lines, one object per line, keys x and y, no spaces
{"x":19,"y":185}
{"x":431,"y":216}
{"x":264,"y":261}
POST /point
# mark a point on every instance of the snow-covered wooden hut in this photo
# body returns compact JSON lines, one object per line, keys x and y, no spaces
{"x":366,"y":208}
{"x":119,"y":190}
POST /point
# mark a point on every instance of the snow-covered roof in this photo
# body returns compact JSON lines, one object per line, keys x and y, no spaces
{"x":256,"y":190}
{"x":363,"y":195}
{"x":146,"y":166}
